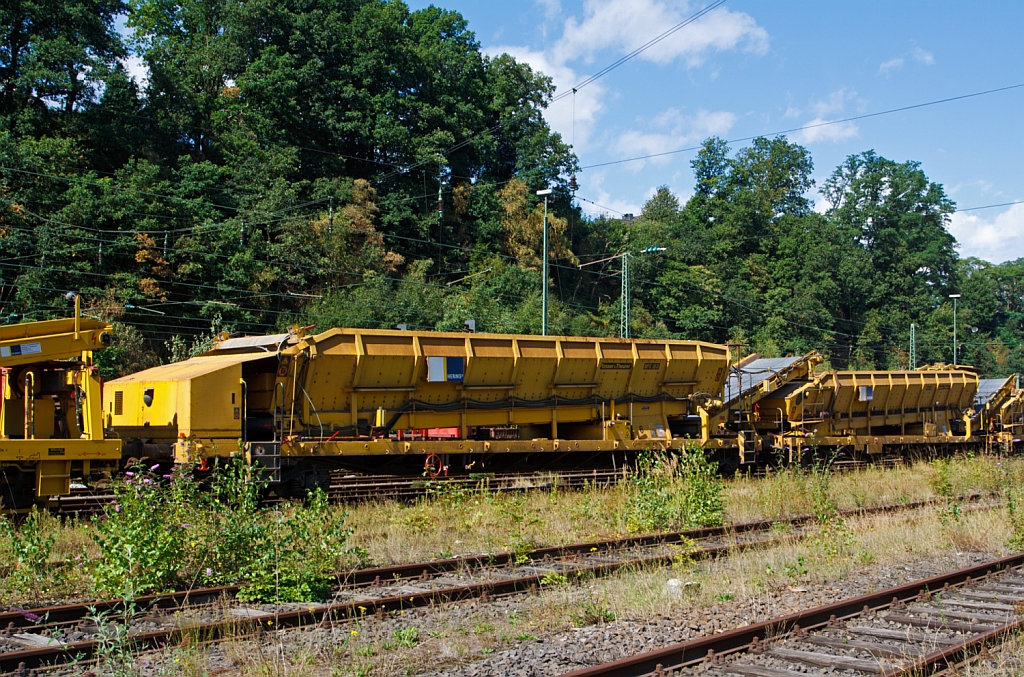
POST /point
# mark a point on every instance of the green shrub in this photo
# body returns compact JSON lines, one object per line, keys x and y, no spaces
{"x":681,"y":491}
{"x":296,"y":553}
{"x":26,"y":551}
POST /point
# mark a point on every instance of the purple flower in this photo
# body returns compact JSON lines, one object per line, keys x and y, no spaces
{"x":147,"y":481}
{"x":167,"y":477}
{"x":186,"y":526}
{"x":129,"y":473}
{"x":117,"y":507}
{"x":31,"y":616}
{"x":155,"y":467}
{"x":209,"y":572}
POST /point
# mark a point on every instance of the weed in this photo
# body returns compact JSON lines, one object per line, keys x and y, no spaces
{"x":525,"y":637}
{"x":797,"y":569}
{"x":592,"y":612}
{"x":682,"y":491}
{"x":725,"y":597}
{"x":296,"y":556}
{"x":553,"y":578}
{"x":834,"y":540}
{"x":682,"y":554}
{"x":29,"y":549}
{"x":407,"y":637}
{"x":1014,"y":498}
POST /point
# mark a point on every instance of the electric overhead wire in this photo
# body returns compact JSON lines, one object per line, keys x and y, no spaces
{"x":825,"y":123}
{"x":571,"y":91}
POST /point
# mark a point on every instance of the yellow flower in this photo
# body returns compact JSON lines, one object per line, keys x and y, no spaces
{"x":355,"y":633}
{"x":594,"y":549}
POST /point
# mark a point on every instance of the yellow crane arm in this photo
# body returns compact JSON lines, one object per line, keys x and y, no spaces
{"x":33,"y":342}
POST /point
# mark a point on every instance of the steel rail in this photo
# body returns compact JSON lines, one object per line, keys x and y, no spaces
{"x":73,"y":612}
{"x":316,"y":614}
{"x":750,"y":638}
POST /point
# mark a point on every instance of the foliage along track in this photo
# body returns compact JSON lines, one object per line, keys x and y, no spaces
{"x":26,"y":626}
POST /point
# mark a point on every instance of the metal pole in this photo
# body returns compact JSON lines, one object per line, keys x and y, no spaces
{"x":624,"y":299}
{"x":913,"y":346}
{"x":954,"y":331}
{"x":544,"y":297}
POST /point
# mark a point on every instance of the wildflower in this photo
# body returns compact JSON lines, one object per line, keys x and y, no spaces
{"x":186,"y":526}
{"x":117,"y":507}
{"x":31,"y":616}
{"x":155,"y":467}
{"x":166,"y":477}
{"x":147,"y":481}
{"x":209,"y":572}
{"x":355,"y":633}
{"x":594,"y":549}
{"x":129,"y":474}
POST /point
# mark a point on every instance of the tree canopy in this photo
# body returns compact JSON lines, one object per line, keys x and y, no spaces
{"x":357,"y":163}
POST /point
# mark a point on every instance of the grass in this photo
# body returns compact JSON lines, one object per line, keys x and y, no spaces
{"x":474,"y":522}
{"x":435,"y":638}
{"x":458,"y":521}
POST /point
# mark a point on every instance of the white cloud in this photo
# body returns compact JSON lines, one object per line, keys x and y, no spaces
{"x":589,"y":101}
{"x":823,"y":128}
{"x":835,"y":102}
{"x":921,"y":56}
{"x":671,"y":130}
{"x":552,"y":8}
{"x":891,"y":65}
{"x":996,"y":239}
{"x":596,"y":201}
{"x":615,"y":27}
{"x":625,"y":25}
{"x":820,"y":129}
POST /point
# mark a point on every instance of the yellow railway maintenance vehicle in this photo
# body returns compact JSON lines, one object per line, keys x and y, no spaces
{"x":871,"y":413}
{"x":754,"y":402}
{"x":394,"y":401}
{"x":999,"y":412}
{"x":51,"y":424}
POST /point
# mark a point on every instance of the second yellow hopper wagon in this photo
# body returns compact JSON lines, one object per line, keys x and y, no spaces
{"x":386,"y":400}
{"x":872,"y":412}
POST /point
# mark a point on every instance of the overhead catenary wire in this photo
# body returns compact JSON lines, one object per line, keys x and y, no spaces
{"x":816,"y":125}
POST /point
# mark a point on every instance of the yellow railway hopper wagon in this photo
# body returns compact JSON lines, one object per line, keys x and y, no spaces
{"x":51,"y":417}
{"x":384,"y":400}
{"x":869,"y":413}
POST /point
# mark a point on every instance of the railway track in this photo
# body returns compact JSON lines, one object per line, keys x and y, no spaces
{"x":920,"y":628}
{"x":52,"y":635}
{"x":350,"y":488}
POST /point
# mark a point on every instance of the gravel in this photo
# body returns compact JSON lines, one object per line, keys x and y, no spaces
{"x":503,"y":637}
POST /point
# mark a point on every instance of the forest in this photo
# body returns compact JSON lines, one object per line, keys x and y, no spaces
{"x":355,"y":163}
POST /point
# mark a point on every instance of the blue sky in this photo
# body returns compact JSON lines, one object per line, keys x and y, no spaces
{"x":752,"y":68}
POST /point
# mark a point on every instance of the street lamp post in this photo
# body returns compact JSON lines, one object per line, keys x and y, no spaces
{"x":544,"y":267}
{"x":954,"y":297}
